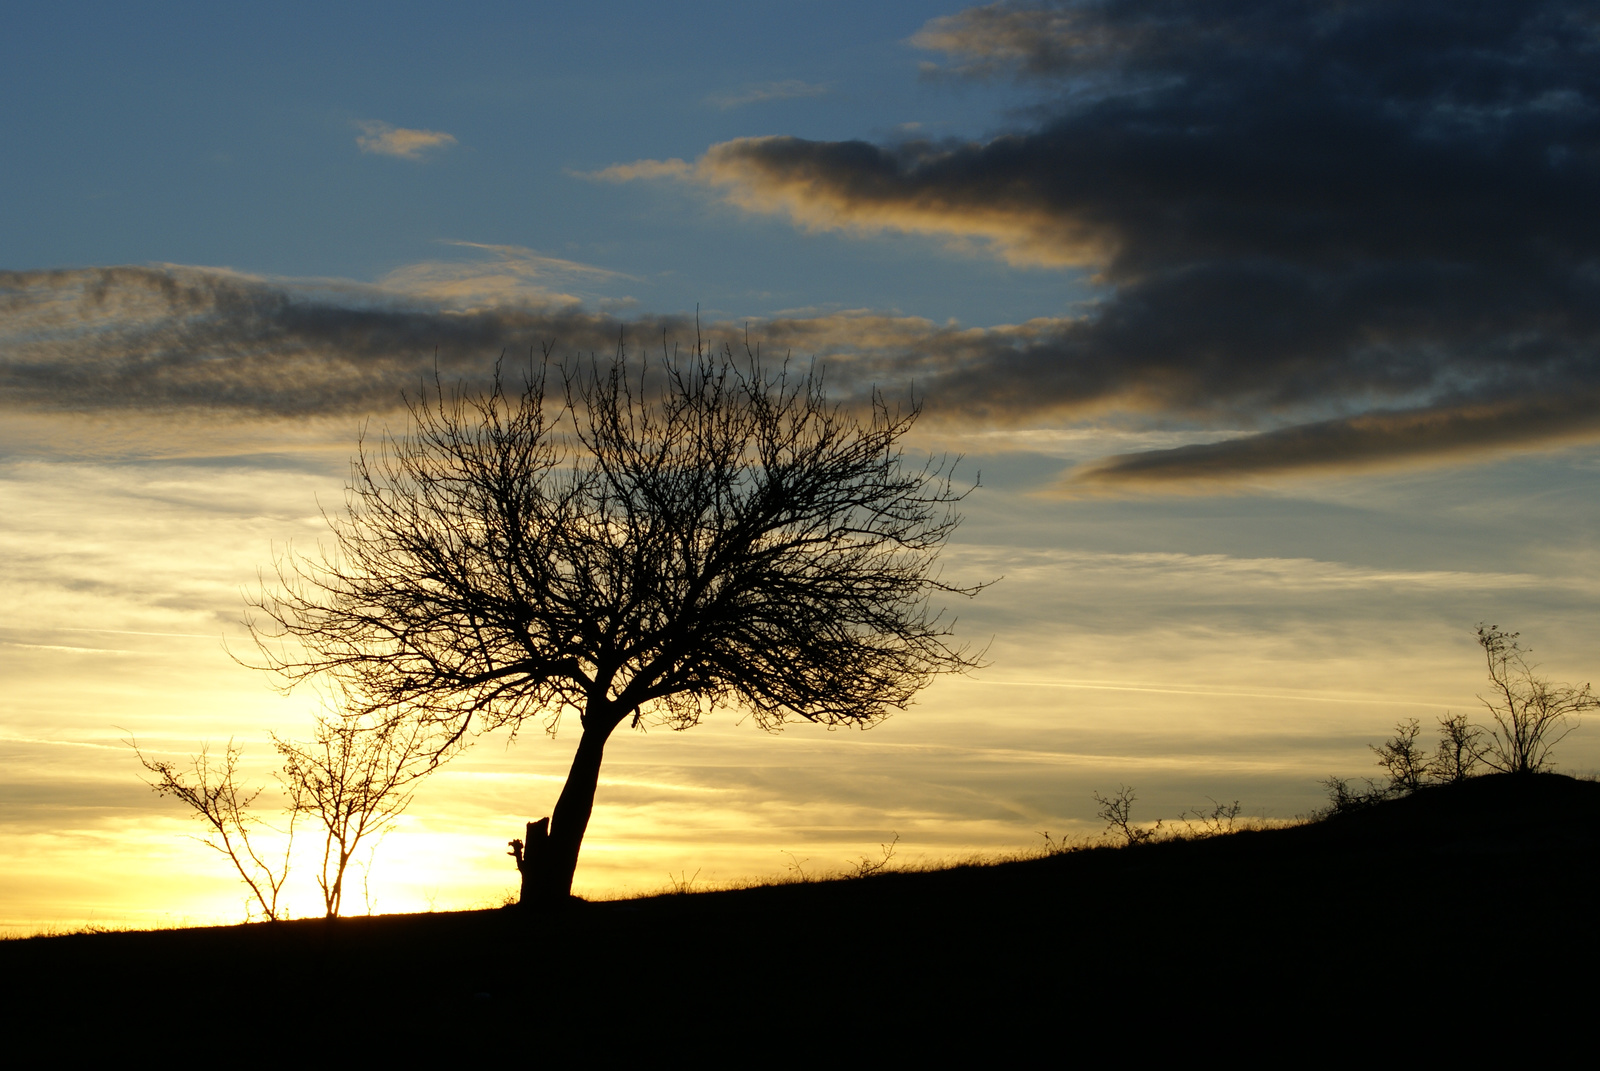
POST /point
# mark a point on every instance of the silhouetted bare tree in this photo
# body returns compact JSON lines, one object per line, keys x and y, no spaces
{"x":1530,"y":714}
{"x":213,"y":793}
{"x":355,"y":778}
{"x":709,"y":533}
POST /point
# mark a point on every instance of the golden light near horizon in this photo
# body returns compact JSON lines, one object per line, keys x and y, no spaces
{"x":1200,"y":676}
{"x":1275,"y":392}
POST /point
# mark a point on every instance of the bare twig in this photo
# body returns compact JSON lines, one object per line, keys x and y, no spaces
{"x":868,"y":865}
{"x":1214,"y":823}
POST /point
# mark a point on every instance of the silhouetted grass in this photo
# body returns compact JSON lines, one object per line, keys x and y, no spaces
{"x":1409,"y":901}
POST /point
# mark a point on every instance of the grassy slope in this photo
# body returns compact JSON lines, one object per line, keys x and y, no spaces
{"x":1433,"y":895}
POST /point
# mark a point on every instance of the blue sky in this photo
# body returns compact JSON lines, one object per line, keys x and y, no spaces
{"x":191,"y":134}
{"x":1272,"y":328}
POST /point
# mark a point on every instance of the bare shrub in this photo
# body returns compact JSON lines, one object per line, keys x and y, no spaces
{"x":1460,"y":750}
{"x":1403,"y":758}
{"x":1116,"y":809}
{"x":1214,"y":823}
{"x":1343,"y":797}
{"x":1530,"y":715}
{"x":868,"y":865}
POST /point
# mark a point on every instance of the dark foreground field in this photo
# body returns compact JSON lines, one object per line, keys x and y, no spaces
{"x":1454,"y":898}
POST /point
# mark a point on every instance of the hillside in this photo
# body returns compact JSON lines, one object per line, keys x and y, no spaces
{"x":1432,"y":895}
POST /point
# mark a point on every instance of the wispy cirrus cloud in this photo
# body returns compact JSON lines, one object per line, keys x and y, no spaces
{"x":761,"y":92}
{"x":386,"y":140}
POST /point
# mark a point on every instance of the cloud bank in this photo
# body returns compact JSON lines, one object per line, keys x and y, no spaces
{"x":1366,"y":231}
{"x":173,"y":338}
{"x":1299,"y":213}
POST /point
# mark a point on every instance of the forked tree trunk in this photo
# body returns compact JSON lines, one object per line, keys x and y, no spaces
{"x":550,"y":856}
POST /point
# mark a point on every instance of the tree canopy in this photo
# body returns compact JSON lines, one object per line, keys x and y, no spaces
{"x":657,"y":540}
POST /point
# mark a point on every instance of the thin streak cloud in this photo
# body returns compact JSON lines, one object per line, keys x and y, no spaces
{"x":1102,"y":686}
{"x":1369,"y":441}
{"x":761,"y":92}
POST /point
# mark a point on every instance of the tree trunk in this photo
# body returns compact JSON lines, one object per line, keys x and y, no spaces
{"x":548,"y":866}
{"x":530,"y":854}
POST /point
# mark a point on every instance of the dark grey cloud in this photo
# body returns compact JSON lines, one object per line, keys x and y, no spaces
{"x":1372,"y":439}
{"x":1300,"y":211}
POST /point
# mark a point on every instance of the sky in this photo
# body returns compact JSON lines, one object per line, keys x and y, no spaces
{"x":1273,"y":330}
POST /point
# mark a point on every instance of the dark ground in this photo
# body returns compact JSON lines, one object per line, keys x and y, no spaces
{"x":1420,"y":907}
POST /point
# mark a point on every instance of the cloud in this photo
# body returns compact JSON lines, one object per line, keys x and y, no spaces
{"x":1050,"y":40}
{"x":1370,"y":440}
{"x":204,"y":340}
{"x":186,"y":338}
{"x":760,"y":92}
{"x":640,"y":169}
{"x":540,"y":264}
{"x":856,"y":187}
{"x":178,"y":339}
{"x":1297,"y":214}
{"x":500,"y":276}
{"x":197,"y":341}
{"x":379,"y":137}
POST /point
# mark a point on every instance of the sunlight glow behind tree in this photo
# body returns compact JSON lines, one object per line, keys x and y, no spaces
{"x":711,"y":534}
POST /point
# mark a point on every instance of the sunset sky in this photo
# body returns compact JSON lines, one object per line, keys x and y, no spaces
{"x":1273,"y":329}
